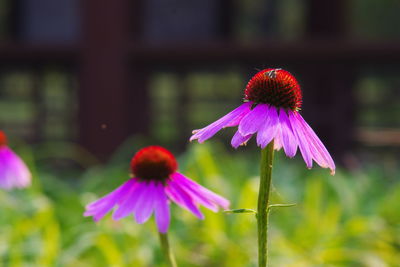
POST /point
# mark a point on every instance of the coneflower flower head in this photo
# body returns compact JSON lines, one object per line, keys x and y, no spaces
{"x":155,"y":183}
{"x":13,"y":171}
{"x":272,"y":102}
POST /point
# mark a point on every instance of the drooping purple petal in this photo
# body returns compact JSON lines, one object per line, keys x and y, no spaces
{"x":145,"y":203}
{"x":200,"y":194}
{"x":183,"y":199}
{"x":196,"y":197}
{"x":268,"y":130}
{"x":117,"y":193}
{"x":319,"y":153}
{"x":127,"y":205}
{"x":301,"y":139}
{"x":208,"y":131}
{"x":13,"y":171}
{"x":238,"y":139}
{"x":278,"y":137}
{"x":289,"y":140}
{"x":253,"y":120}
{"x":161,"y":207}
{"x":236,"y":121}
{"x":99,"y":208}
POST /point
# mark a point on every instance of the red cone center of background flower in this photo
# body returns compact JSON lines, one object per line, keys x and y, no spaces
{"x":276,"y":87}
{"x":153,"y":163}
{"x":3,"y":139}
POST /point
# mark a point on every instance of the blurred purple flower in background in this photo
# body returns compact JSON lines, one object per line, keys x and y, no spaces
{"x":155,"y":183}
{"x":13,"y":171}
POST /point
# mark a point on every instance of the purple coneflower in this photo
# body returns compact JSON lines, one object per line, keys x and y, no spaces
{"x":271,"y":109}
{"x":155,"y":183}
{"x":13,"y":171}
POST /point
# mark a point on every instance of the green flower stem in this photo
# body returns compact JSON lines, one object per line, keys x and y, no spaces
{"x":169,"y":256}
{"x":267,"y":155}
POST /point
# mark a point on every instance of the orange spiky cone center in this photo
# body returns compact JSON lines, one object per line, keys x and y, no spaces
{"x":276,"y":87}
{"x":153,"y":163}
{"x":3,"y":139}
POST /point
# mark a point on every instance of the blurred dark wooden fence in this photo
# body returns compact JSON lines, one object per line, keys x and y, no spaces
{"x":114,"y":63}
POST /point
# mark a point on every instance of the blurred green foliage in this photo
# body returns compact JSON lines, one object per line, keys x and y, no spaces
{"x":350,"y":219}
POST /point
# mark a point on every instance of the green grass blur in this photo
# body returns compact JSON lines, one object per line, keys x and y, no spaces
{"x":350,"y":219}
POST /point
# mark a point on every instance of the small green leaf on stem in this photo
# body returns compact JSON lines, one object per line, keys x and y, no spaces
{"x":240,"y":211}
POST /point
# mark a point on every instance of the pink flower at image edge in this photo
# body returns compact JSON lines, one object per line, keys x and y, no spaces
{"x":13,"y":171}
